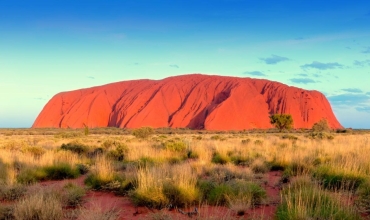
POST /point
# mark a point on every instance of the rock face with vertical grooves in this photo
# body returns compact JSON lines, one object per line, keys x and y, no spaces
{"x":189,"y":101}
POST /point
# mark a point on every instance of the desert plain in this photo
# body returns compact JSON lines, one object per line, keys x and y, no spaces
{"x":145,"y":173}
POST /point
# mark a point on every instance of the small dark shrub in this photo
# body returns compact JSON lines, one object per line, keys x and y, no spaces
{"x":119,"y":153}
{"x":75,"y":147}
{"x":82,"y":168}
{"x":73,"y":195}
{"x":178,"y":146}
{"x":246,"y":141}
{"x":143,"y":132}
{"x":220,"y":159}
{"x":60,"y":171}
{"x":258,"y":142}
{"x":12,"y":192}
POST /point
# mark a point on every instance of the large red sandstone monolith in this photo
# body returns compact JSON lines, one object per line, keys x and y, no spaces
{"x":193,"y":101}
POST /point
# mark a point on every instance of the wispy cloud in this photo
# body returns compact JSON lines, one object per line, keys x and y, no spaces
{"x":90,"y":77}
{"x":254,"y":73}
{"x":361,"y":63}
{"x":303,"y":74}
{"x":321,"y":66}
{"x":302,"y":80}
{"x":353,"y":90}
{"x":363,"y":109}
{"x":41,"y":99}
{"x":274,"y":59}
{"x":174,"y":66}
{"x":349,"y":99}
{"x":366,"y":50}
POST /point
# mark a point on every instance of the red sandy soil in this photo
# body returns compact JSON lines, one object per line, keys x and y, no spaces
{"x":108,"y":201}
{"x":193,"y":101}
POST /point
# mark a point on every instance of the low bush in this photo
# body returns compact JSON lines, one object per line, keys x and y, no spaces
{"x":11,"y":192}
{"x":334,"y":179}
{"x":75,"y":147}
{"x":180,"y":196}
{"x":119,"y":153}
{"x":363,"y":197}
{"x":53,"y":172}
{"x":259,"y":166}
{"x":226,"y":193}
{"x":143,"y":132}
{"x":220,"y":158}
{"x":40,"y":206}
{"x":118,"y":184}
{"x":289,"y":137}
{"x":320,"y":135}
{"x":303,"y":200}
{"x":60,"y":171}
{"x":31,"y":175}
{"x":72,"y":195}
{"x":177,"y":146}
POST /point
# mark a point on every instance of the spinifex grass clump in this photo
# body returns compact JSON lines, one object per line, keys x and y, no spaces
{"x":72,"y":195}
{"x":363,"y":200}
{"x":334,"y":178}
{"x":43,"y":205}
{"x":11,"y":192}
{"x":75,"y":147}
{"x":57,"y":171}
{"x":304,"y":200}
{"x":233,"y":192}
{"x":158,"y":187}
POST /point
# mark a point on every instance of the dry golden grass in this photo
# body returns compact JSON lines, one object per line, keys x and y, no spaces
{"x":159,"y":171}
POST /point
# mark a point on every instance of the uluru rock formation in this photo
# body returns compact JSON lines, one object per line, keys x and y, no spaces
{"x":193,"y":101}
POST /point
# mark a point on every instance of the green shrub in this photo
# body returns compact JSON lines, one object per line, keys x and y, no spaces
{"x":143,"y":132}
{"x":73,"y":195}
{"x":236,"y":189}
{"x":82,"y":168}
{"x":321,"y":126}
{"x":220,"y":158}
{"x":336,"y":179}
{"x":118,"y":185}
{"x":180,"y":196}
{"x":218,"y":195}
{"x":152,"y":198}
{"x":192,"y":154}
{"x":320,"y":135}
{"x":75,"y":147}
{"x":306,"y":201}
{"x":52,"y":172}
{"x":177,"y":146}
{"x":241,"y":160}
{"x":60,"y":171}
{"x":119,"y":153}
{"x":31,"y":175}
{"x":363,"y":197}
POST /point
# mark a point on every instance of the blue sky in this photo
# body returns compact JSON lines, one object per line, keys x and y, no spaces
{"x":51,"y":46}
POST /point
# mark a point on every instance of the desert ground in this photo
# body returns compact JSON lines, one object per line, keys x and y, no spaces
{"x":143,"y":173}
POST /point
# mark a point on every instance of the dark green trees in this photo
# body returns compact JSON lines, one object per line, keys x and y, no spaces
{"x":282,"y":121}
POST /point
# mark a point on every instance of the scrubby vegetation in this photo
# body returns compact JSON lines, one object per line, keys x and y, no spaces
{"x":322,"y":174}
